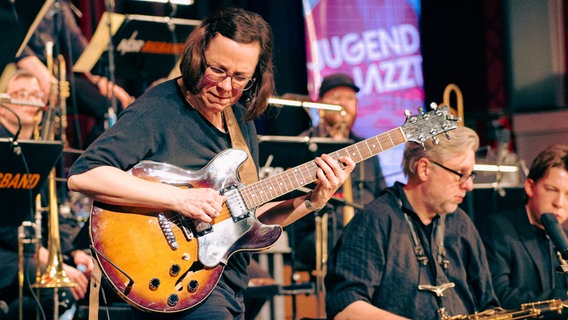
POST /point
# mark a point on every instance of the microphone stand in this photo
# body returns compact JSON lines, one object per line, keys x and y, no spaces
{"x":110,"y":116}
{"x":304,"y":104}
{"x":503,"y":141}
{"x":172,"y":27}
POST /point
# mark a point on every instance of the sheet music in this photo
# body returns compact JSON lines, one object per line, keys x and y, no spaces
{"x":99,"y":42}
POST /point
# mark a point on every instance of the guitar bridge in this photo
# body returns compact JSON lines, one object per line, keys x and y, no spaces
{"x":167,"y":231}
{"x":235,"y":203}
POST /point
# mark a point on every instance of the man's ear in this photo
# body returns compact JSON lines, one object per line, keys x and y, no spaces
{"x":529,"y":187}
{"x":423,"y":169}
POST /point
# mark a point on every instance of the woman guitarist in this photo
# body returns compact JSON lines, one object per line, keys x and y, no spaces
{"x":185,"y":126}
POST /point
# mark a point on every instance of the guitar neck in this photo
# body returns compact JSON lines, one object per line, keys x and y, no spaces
{"x":273,"y":187}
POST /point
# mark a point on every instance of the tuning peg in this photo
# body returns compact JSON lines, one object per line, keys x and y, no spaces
{"x":421,"y":110}
{"x":447,"y":134}
{"x":407,"y":113}
{"x":436,"y":140}
{"x":433,"y":105}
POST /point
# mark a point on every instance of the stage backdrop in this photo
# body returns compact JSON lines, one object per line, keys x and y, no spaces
{"x":378,"y":44}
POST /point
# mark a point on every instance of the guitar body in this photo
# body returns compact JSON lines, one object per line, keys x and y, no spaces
{"x":163,"y":261}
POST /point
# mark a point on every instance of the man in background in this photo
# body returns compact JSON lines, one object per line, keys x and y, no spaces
{"x":413,"y":253}
{"x":524,"y":265}
{"x":366,"y":180}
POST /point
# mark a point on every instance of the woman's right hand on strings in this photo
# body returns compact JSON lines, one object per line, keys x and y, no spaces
{"x":200,"y":203}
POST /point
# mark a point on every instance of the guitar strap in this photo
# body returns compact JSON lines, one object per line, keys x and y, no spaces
{"x":95,"y":286}
{"x":247,"y":171}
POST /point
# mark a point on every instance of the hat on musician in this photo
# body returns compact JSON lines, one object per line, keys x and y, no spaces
{"x":336,"y":80}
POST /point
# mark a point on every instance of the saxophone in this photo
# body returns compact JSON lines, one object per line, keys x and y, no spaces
{"x":531,"y":310}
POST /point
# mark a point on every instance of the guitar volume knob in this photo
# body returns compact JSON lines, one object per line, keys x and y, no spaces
{"x":173,"y":299}
{"x":192,"y":286}
{"x":154,"y":284}
{"x":174,"y":270}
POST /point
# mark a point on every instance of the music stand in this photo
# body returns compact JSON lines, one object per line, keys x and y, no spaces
{"x":17,"y":193}
{"x":146,"y":47}
{"x":15,"y":20}
{"x":289,"y":152}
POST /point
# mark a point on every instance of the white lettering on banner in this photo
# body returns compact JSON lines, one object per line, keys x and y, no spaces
{"x":383,"y":60}
{"x":353,"y":48}
{"x":130,"y":44}
{"x":391,"y":75}
{"x":370,"y":45}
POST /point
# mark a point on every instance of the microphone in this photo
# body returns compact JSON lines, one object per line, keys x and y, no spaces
{"x":5,"y":98}
{"x":556,"y":233}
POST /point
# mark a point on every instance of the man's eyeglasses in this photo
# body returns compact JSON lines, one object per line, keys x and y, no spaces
{"x":216,"y":75}
{"x":463,"y":176}
{"x":24,"y":94}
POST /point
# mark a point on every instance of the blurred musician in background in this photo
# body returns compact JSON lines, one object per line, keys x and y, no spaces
{"x":340,"y":89}
{"x":413,"y":253}
{"x":524,"y":264}
{"x":92,"y":92}
{"x":367,"y":179}
{"x":25,"y":87}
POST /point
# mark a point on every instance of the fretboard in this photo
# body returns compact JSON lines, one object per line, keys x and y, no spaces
{"x":275,"y":186}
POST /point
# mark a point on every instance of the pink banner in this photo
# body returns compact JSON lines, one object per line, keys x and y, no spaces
{"x":378,"y":44}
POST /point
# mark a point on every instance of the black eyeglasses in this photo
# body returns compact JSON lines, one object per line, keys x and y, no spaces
{"x":217,"y":75}
{"x":463,"y":176}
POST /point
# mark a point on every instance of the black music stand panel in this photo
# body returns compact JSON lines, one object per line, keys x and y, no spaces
{"x":145,"y":47}
{"x":35,"y":162}
{"x":15,"y":20}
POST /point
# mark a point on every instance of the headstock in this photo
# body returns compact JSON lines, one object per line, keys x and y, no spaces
{"x":425,"y":125}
